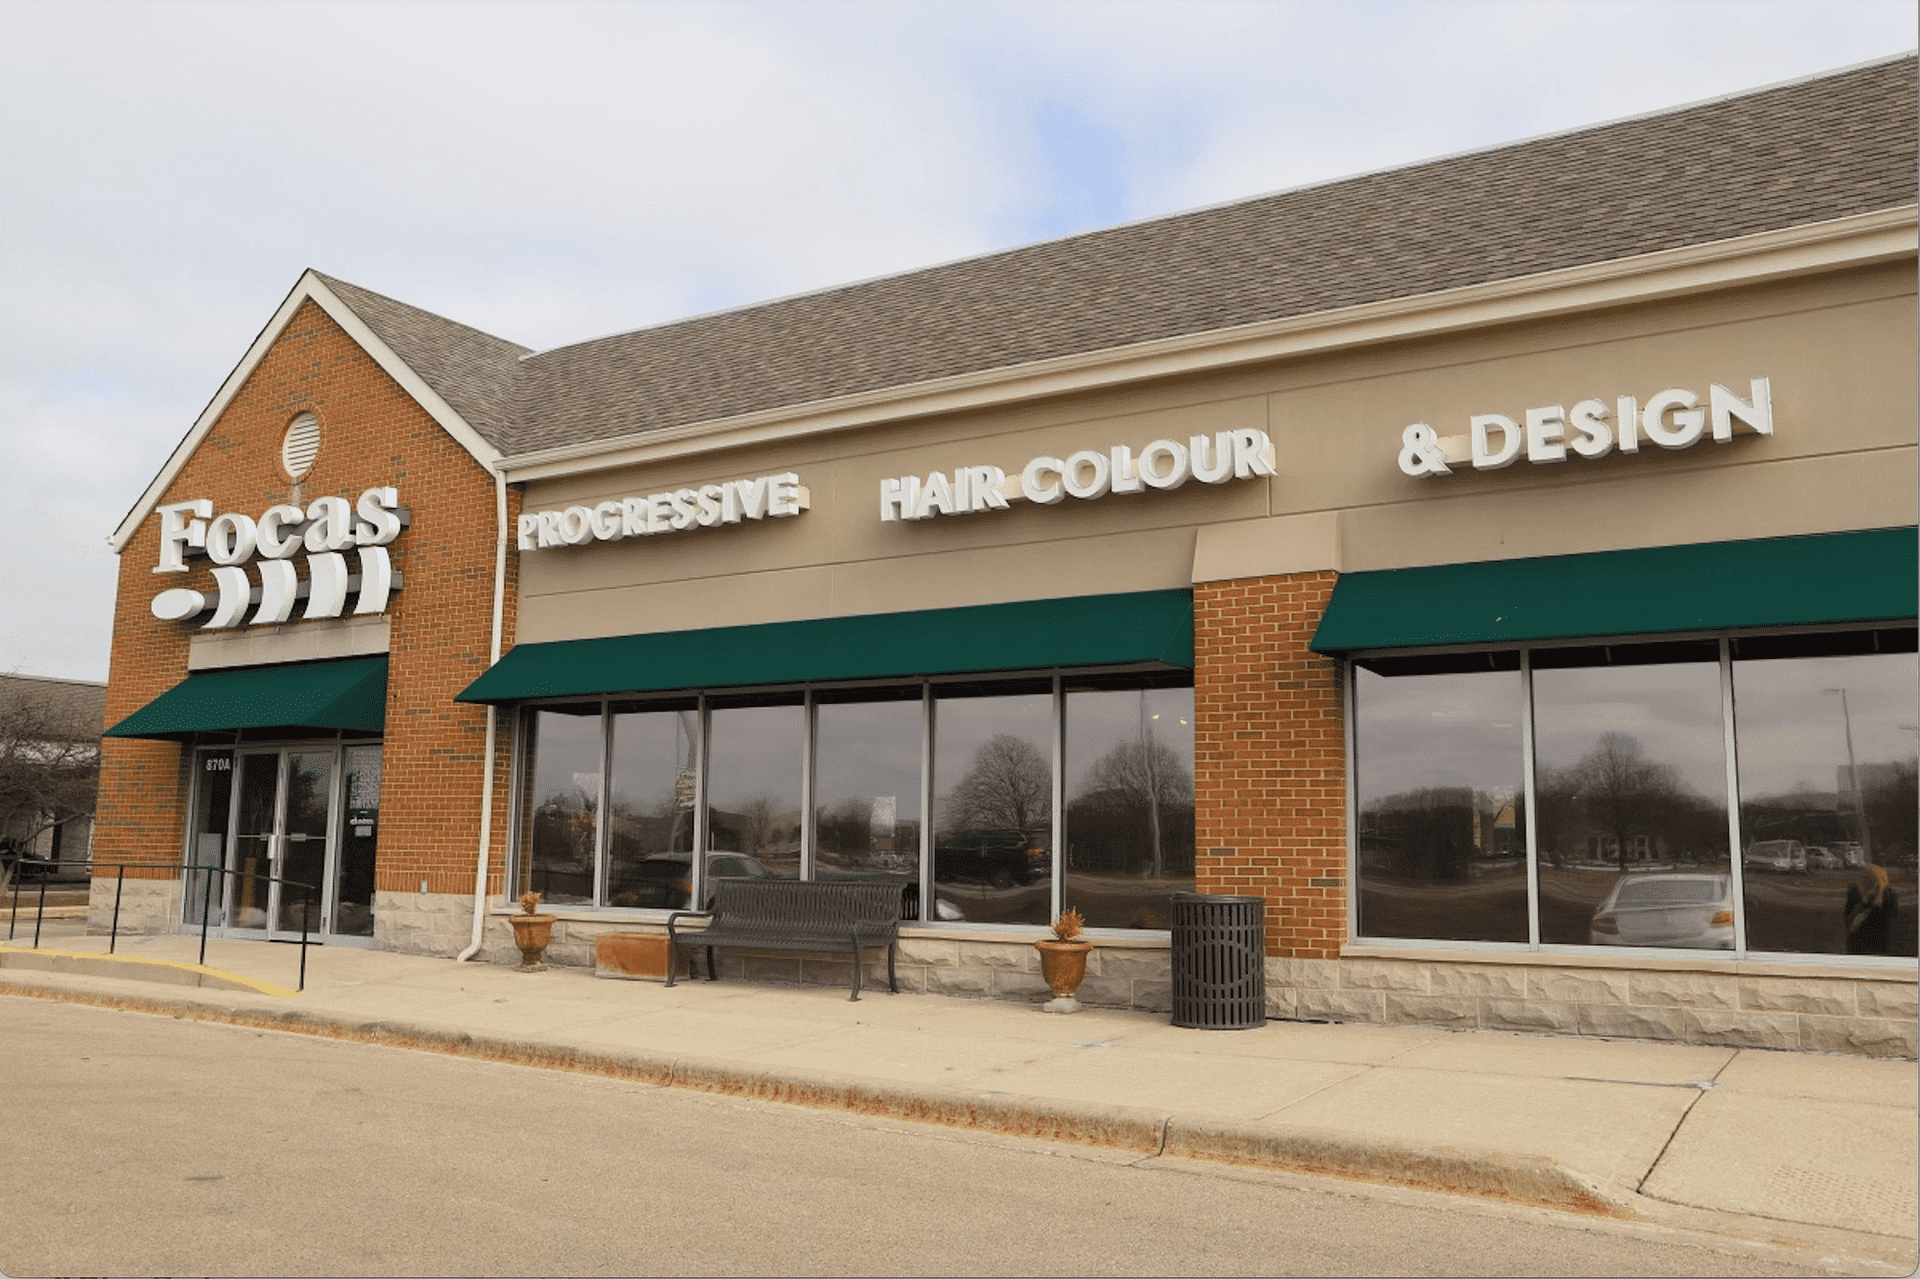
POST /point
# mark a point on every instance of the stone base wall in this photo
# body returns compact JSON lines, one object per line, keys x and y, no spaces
{"x":1841,"y":1009}
{"x":440,"y":924}
{"x":1744,"y":1004}
{"x":146,"y":906}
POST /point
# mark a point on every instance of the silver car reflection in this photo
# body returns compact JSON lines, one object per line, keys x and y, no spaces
{"x":1666,"y":910}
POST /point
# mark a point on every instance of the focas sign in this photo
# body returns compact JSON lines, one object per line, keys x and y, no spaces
{"x":320,"y":537}
{"x":1675,"y":418}
{"x":1086,"y":475}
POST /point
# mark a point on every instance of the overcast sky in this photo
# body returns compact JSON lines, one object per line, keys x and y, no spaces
{"x":554,"y":172}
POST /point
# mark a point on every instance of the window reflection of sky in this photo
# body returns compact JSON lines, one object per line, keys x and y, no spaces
{"x":1100,"y":722}
{"x":867,"y":750}
{"x":1672,"y":711}
{"x":1420,"y":731}
{"x":567,"y":748}
{"x":649,"y":751}
{"x":1792,"y":736}
{"x":756,"y":755}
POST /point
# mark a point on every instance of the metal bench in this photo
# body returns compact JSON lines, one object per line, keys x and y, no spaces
{"x":790,"y":914}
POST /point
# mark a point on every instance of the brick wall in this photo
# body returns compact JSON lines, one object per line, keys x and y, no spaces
{"x":1270,"y":758}
{"x":372,"y":433}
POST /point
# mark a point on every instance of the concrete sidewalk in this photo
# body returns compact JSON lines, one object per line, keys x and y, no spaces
{"x":1812,"y":1152}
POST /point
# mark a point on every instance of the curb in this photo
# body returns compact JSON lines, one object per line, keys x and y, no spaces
{"x":1518,"y":1179}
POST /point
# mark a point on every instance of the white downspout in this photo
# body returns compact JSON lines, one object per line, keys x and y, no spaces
{"x":486,"y":790}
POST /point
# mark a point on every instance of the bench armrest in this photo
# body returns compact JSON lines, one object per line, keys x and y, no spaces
{"x":685,"y":914}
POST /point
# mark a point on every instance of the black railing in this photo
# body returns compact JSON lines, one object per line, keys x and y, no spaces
{"x":206,"y":900}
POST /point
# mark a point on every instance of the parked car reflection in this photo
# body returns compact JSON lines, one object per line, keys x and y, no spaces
{"x":1786,"y":856}
{"x":1002,"y":858}
{"x":1694,"y":911}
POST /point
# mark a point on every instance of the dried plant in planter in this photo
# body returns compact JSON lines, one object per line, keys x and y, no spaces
{"x":532,"y":932}
{"x":1063,"y":962}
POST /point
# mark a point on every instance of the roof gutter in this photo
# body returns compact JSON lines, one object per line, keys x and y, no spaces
{"x":1860,"y":240}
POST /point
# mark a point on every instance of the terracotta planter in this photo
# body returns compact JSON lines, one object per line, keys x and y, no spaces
{"x":1063,"y":965}
{"x":532,"y":933}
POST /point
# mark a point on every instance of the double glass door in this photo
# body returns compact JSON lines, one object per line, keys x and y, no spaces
{"x":296,"y":827}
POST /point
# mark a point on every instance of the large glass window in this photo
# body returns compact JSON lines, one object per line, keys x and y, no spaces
{"x":560,"y":802}
{"x":1441,"y":838}
{"x":651,"y":772}
{"x":1129,"y":773}
{"x":947,"y":788}
{"x":1630,"y":841}
{"x":1630,"y":784}
{"x":1825,"y":730}
{"x":756,"y":757}
{"x":993,"y":800}
{"x":866,"y":788}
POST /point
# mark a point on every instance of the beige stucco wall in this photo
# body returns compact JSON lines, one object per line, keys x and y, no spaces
{"x":1838,"y":349}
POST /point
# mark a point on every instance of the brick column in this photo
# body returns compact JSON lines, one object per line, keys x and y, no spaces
{"x":1270,"y":758}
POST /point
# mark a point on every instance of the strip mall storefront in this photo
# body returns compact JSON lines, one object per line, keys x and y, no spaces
{"x":1541,"y":648}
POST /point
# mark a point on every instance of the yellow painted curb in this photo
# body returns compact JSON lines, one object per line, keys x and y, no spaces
{"x":92,"y":964}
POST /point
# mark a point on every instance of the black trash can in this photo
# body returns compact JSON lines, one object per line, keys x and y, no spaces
{"x":1219,"y":962}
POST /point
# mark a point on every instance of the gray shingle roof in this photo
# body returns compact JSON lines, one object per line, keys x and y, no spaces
{"x":472,"y":371}
{"x":1800,"y":153}
{"x":53,"y":709}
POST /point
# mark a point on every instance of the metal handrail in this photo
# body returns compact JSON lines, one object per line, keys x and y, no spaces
{"x":206,"y":913}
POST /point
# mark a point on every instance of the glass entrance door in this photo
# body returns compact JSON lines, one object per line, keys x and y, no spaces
{"x":281,"y":832}
{"x":306,"y":800}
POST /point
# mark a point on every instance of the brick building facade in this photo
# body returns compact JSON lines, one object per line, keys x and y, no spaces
{"x":1506,"y":597}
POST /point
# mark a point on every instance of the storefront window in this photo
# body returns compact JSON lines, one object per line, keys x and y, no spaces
{"x":1439,"y":777}
{"x":866,"y":788}
{"x":1129,"y":813}
{"x":560,"y":803}
{"x":1632,"y":838}
{"x":993,"y":800}
{"x":1825,"y":730}
{"x":653,"y":762}
{"x":1630,"y":783}
{"x":831,"y":784}
{"x":756,"y":755}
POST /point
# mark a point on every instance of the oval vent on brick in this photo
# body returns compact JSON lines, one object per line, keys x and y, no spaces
{"x":302,"y":443}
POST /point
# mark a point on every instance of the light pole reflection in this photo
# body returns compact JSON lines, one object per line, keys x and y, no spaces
{"x":1853,"y":779}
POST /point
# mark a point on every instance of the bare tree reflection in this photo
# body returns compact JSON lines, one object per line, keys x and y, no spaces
{"x":1134,"y":812}
{"x":1008,"y":787}
{"x":1432,"y":833}
{"x":1616,"y":805}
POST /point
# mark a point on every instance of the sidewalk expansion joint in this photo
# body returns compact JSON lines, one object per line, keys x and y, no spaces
{"x":1700,"y":1090}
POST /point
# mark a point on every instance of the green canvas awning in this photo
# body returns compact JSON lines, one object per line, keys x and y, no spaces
{"x":1093,"y":630}
{"x":1777,"y":581}
{"x":350,"y":694}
